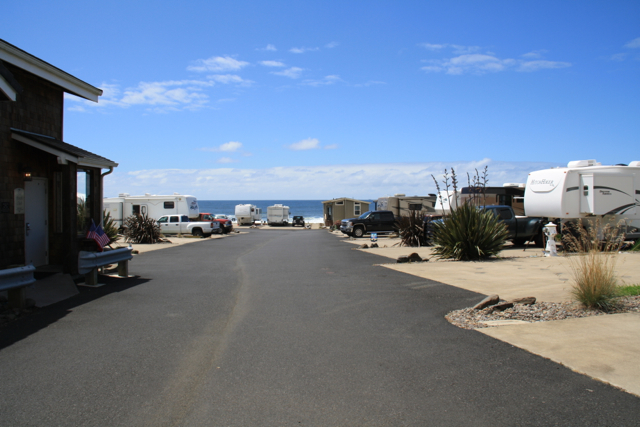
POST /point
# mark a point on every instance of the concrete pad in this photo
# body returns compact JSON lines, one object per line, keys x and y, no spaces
{"x":603,"y":347}
{"x":51,"y":289}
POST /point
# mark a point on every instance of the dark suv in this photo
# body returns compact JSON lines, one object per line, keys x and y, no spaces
{"x":370,"y":222}
{"x":297,"y":220}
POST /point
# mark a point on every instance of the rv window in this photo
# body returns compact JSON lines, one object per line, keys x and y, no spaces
{"x":415,"y":206}
{"x":136,"y":209}
{"x":143,"y":209}
{"x":169,"y":205}
{"x":174,"y":219}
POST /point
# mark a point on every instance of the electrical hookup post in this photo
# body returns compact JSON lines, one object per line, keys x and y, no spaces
{"x":374,"y":240}
{"x":550,"y":231}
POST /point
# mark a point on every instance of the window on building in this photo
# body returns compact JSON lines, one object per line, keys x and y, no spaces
{"x":356,"y":209}
{"x":340,"y":203}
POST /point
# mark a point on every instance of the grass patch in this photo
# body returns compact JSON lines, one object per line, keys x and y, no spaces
{"x":595,"y":283}
{"x":628,"y":290}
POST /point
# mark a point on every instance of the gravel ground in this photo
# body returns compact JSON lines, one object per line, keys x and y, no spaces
{"x":468,"y":318}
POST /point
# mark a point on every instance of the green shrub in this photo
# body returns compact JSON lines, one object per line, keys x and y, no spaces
{"x":468,"y":234}
{"x":141,"y":229}
{"x":411,"y":229}
{"x":110,"y":227}
{"x":595,"y":284}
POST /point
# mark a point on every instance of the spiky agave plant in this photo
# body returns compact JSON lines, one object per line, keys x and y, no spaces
{"x":411,"y":229}
{"x":109,"y":227}
{"x":141,"y":229}
{"x":468,"y":234}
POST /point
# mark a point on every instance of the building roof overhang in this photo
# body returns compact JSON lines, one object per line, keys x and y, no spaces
{"x":70,"y":84}
{"x":64,"y":152}
{"x":339,"y":199}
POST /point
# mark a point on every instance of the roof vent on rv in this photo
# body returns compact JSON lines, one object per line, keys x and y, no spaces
{"x":399,"y":195}
{"x":582,"y":163}
{"x":176,"y":194}
{"x":514,"y":184}
{"x":147,"y":194}
{"x":634,"y":164}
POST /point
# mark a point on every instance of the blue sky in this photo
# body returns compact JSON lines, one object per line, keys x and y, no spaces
{"x":316,"y":100}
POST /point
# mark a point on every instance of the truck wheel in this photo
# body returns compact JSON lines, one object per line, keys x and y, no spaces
{"x":519,"y":242}
{"x":358,"y":232}
{"x":197,"y":232}
{"x":539,"y":240}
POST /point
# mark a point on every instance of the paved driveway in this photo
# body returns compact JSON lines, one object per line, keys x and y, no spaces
{"x":280,"y":328}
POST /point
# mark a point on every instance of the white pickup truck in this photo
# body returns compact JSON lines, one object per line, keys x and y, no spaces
{"x":180,"y":224}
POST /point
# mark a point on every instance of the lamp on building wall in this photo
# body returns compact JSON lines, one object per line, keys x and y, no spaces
{"x":25,"y":171}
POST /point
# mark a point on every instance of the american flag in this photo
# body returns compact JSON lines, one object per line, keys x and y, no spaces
{"x":98,"y":235}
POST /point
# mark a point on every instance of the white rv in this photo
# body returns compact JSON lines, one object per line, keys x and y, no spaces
{"x":447,"y":200}
{"x":154,"y":206}
{"x":278,"y":215}
{"x":586,"y":189}
{"x":248,"y":214}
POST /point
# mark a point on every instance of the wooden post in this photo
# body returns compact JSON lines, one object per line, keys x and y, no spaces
{"x":123,"y":268}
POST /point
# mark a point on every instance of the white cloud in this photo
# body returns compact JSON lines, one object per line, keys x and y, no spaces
{"x":362,"y":181}
{"x":217,"y":63}
{"x":225,"y":160}
{"x":633,"y":44}
{"x":229,"y":78}
{"x":327,"y":80}
{"x":292,"y":73}
{"x":185,"y":94}
{"x":269,"y":48}
{"x":331,"y":147}
{"x":230,"y":146}
{"x":305,"y":144}
{"x":470,"y":61}
{"x":303,"y":49}
{"x":332,"y":45}
{"x":272,"y":63}
{"x":541,"y":64}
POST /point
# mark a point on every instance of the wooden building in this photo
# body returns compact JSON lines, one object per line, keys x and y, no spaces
{"x":39,"y":224}
{"x":336,"y":210}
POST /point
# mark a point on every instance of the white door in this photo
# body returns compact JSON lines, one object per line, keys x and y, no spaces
{"x":36,"y":246}
{"x":587,"y":194}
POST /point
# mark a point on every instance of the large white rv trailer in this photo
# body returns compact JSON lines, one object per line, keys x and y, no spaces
{"x":586,"y":189}
{"x":248,"y":214}
{"x":446,"y":200}
{"x":278,"y":215}
{"x":154,"y":206}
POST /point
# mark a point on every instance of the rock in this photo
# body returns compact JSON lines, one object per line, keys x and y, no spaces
{"x":524,"y":301}
{"x":374,"y":245}
{"x":490,"y":300}
{"x":135,"y":252}
{"x":402,"y":259}
{"x":501,"y":306}
{"x":414,"y":257}
{"x":364,"y":246}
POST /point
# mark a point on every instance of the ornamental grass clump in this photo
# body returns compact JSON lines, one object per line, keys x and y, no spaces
{"x":469,"y":234}
{"x":593,"y":269}
{"x":141,"y":229}
{"x":411,"y":229}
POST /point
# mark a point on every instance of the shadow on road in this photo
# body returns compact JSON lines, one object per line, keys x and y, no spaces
{"x":42,"y":317}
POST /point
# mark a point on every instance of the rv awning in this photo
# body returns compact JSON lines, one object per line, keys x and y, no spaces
{"x":65,"y":152}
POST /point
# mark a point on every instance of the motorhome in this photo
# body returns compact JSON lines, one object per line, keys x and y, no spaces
{"x":154,"y":206}
{"x":278,"y":215}
{"x":248,"y":214}
{"x":586,"y":189}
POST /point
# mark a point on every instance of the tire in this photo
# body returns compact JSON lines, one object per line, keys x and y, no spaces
{"x":519,"y":242}
{"x":197,"y":232}
{"x":539,"y":240}
{"x":358,"y":232}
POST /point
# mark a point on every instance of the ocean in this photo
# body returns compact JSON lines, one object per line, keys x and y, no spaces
{"x":311,"y":210}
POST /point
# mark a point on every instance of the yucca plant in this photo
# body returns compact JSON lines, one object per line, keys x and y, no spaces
{"x":411,"y":229}
{"x":109,"y":226}
{"x":468,"y":234}
{"x":141,"y":229}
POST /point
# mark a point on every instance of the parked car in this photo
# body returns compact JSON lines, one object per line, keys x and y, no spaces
{"x":370,"y":222}
{"x":297,"y":220}
{"x":180,"y":224}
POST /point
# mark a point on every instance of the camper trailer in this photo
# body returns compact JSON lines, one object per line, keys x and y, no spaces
{"x":401,"y":205}
{"x":278,"y":215}
{"x":248,"y":214}
{"x":154,"y":206}
{"x":508,"y":195}
{"x":586,"y":189}
{"x":446,"y":200}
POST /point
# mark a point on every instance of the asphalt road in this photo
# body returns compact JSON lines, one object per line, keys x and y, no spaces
{"x":280,"y":328}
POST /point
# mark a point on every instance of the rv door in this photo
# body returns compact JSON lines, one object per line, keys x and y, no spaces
{"x":139,"y":210}
{"x":586,"y":194}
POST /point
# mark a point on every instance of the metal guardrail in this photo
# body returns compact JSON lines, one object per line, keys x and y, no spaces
{"x":17,"y":277}
{"x":87,"y":261}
